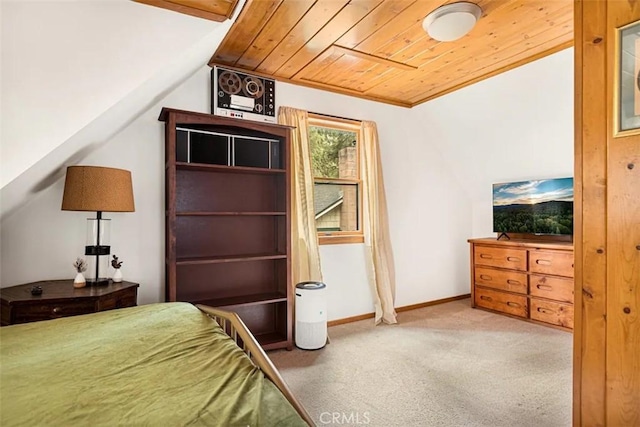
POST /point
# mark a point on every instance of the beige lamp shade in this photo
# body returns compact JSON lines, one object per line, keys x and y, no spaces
{"x":95,"y":188}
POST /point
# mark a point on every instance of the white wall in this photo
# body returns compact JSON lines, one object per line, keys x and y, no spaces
{"x":423,"y":271}
{"x":515,"y":126}
{"x":439,"y":161}
{"x":64,"y":63}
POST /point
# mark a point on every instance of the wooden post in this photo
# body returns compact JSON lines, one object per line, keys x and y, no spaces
{"x":607,"y":228}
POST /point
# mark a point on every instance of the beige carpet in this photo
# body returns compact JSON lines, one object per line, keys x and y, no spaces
{"x":446,"y":365}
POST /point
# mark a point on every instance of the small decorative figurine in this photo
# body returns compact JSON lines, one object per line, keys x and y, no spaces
{"x":117,"y":275}
{"x":80,"y":266}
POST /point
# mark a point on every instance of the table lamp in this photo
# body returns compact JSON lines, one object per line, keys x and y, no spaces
{"x":99,"y":189}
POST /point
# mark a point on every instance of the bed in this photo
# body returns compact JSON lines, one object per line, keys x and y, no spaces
{"x":166,"y":364}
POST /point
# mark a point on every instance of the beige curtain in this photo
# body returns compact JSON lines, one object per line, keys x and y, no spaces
{"x":305,"y":254}
{"x":376,"y":228}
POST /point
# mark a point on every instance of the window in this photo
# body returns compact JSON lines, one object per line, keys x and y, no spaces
{"x":335,"y":162}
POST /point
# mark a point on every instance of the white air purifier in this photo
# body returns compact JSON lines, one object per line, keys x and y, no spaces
{"x":311,"y":315}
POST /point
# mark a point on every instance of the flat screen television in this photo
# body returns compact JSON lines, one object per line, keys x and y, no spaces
{"x":534,"y":207}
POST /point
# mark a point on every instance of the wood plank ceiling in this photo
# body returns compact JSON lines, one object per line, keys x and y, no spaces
{"x":215,"y":10}
{"x":377,"y":49}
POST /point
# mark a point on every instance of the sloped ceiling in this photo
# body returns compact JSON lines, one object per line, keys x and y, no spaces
{"x":100,"y":64}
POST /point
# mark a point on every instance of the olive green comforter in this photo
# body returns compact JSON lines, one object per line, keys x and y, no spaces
{"x":156,"y":365}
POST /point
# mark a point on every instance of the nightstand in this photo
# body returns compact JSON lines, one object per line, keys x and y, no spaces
{"x":60,"y":299}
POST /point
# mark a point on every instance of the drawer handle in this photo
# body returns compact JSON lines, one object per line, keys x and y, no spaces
{"x":513,"y":259}
{"x":485,"y":277}
{"x":544,"y":310}
{"x":486,"y":256}
{"x":544,"y":287}
{"x":513,"y":282}
{"x":543,"y":261}
{"x":482,"y":297}
{"x":56,"y":310}
{"x":513,"y":304}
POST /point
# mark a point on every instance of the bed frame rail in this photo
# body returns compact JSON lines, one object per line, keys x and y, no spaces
{"x":234,"y":327}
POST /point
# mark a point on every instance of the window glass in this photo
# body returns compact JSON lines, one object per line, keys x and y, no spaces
{"x":333,"y":152}
{"x":336,"y":207}
{"x":335,"y":162}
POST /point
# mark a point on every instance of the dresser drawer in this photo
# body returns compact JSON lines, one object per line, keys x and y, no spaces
{"x":125,"y":298}
{"x":515,"y":259}
{"x":501,"y":301}
{"x":552,"y":312}
{"x":555,"y":288}
{"x":559,"y":263}
{"x":59,"y":298}
{"x":513,"y":281}
{"x":23,"y":313}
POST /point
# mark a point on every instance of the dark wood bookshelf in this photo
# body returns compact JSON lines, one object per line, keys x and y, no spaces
{"x":245,"y":300}
{"x":229,"y":169}
{"x":230,"y":213}
{"x":228,"y":219}
{"x":271,"y":340}
{"x":232,"y":258}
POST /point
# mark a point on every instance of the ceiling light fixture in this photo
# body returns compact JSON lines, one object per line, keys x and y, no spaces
{"x":451,"y":21}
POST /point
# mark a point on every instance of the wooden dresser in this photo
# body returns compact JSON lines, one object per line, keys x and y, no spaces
{"x":60,"y":299}
{"x":531,"y":280}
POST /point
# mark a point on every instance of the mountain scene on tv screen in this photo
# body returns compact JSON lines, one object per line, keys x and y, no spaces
{"x":516,"y":218}
{"x":536,"y":207}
